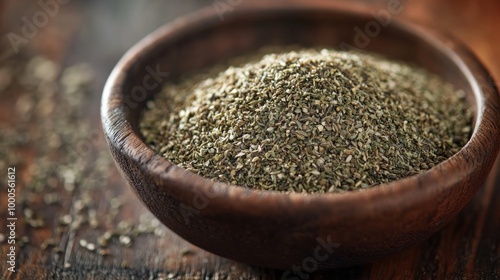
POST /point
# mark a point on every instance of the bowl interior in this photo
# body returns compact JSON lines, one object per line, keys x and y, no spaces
{"x":214,"y":41}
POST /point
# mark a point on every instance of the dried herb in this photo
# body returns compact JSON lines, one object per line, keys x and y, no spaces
{"x":309,"y":121}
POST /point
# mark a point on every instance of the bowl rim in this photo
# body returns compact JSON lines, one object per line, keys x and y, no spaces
{"x":119,"y":133}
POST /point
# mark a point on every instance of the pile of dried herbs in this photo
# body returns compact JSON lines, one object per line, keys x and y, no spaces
{"x":309,"y":121}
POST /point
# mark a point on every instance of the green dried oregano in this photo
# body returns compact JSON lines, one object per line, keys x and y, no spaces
{"x":309,"y":120}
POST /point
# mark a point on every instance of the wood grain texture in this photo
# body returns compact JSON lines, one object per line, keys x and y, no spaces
{"x":467,"y":248}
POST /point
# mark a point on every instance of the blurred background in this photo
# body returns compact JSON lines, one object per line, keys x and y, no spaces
{"x":77,"y":219}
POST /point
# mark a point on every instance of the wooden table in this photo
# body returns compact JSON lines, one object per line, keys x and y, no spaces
{"x":98,"y":32}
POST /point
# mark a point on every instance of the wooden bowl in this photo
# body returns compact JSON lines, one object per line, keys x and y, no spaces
{"x":279,"y":230}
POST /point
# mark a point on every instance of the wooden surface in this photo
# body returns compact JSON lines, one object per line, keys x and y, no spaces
{"x":98,"y":33}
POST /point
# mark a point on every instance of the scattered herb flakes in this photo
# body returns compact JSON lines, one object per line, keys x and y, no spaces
{"x":51,"y":119}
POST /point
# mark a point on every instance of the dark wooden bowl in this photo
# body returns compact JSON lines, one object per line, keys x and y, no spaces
{"x":279,"y":230}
